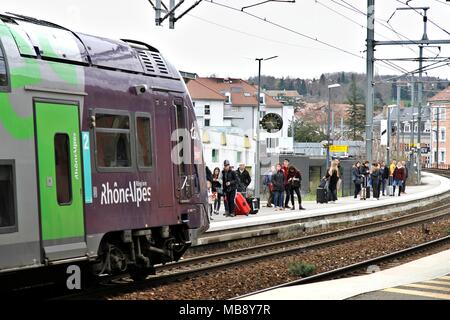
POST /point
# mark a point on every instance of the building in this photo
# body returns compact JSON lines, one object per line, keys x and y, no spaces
{"x":440,"y":106}
{"x":406,"y":133}
{"x":285,"y":96}
{"x":226,"y":110}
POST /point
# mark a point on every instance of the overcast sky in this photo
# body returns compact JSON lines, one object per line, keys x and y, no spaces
{"x":215,"y":40}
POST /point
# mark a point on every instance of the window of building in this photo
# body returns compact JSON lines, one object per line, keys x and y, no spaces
{"x":228,"y":96}
{"x":207,"y":110}
{"x":262,"y":99}
{"x":3,"y":69}
{"x":112,"y":135}
{"x":442,"y":157}
{"x":443,"y":135}
{"x":238,"y":157}
{"x":7,"y":198}
{"x":272,"y":143}
{"x":215,"y":155}
{"x":407,"y":127}
{"x":207,"y":122}
{"x":441,"y":112}
{"x":62,"y":166}
{"x":144,"y":142}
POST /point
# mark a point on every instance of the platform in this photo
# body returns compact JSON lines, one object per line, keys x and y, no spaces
{"x":432,"y":185}
{"x":425,"y":278}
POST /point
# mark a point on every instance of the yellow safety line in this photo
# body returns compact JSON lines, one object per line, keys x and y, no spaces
{"x":419,"y":293}
{"x":438,"y":282}
{"x":424,"y":286}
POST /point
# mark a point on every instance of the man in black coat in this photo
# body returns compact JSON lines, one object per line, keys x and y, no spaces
{"x":243,"y":177}
{"x":229,"y":184}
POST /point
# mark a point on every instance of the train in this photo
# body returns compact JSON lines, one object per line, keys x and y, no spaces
{"x":101,"y":160}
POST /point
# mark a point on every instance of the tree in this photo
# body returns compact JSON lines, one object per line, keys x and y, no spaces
{"x":356,"y":113}
{"x":323,"y":80}
{"x":306,"y":132}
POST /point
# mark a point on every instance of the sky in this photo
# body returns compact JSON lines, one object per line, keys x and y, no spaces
{"x":212,"y":39}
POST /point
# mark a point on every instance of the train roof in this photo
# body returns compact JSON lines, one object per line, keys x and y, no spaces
{"x":45,"y":40}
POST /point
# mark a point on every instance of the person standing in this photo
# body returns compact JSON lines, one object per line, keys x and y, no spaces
{"x":278,"y":179}
{"x":333,"y":178}
{"x":217,"y":188}
{"x":384,"y":172}
{"x":229,"y":183}
{"x":244,"y":178}
{"x":376,"y":180}
{"x":399,"y":176}
{"x":285,"y":170}
{"x":295,"y":181}
{"x":356,"y":178}
{"x":392,"y":168}
{"x":406,"y":176}
{"x":268,"y":185}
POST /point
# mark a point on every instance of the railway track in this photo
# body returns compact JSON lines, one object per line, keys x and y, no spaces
{"x":361,"y":268}
{"x":206,"y":263}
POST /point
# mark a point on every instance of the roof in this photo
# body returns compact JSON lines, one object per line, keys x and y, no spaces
{"x":199,"y":91}
{"x":283,"y":93}
{"x":242,"y":92}
{"x":443,"y":96}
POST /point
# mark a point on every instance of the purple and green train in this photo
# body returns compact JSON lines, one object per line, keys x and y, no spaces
{"x":100,"y":156}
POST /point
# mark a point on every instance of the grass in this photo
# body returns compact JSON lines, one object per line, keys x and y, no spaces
{"x":301,"y":269}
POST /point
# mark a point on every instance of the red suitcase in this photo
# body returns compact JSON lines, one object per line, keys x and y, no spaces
{"x":242,"y":207}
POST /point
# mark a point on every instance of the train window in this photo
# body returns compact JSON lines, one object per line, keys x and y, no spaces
{"x":62,"y":166}
{"x":144,"y":145}
{"x":7,"y":199}
{"x":112,"y":135}
{"x":3,"y":69}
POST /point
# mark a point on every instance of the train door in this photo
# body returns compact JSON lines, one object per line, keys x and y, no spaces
{"x":60,"y":180}
{"x":163,"y":131}
{"x":183,"y":152}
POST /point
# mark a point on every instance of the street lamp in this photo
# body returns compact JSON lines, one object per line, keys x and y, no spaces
{"x":329,"y":121}
{"x":257,"y":161}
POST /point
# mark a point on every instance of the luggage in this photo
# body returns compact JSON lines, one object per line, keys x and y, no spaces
{"x":367,"y":192}
{"x":242,"y":207}
{"x":321,"y":195}
{"x":390,"y":191}
{"x":254,"y":205}
{"x":363,"y":195}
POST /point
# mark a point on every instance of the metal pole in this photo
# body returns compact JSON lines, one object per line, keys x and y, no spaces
{"x":419,"y":117}
{"x":328,"y":129}
{"x":369,"y":72}
{"x":389,"y":130}
{"x":437,"y":138}
{"x":398,"y":121}
{"x":258,"y":116}
{"x":412,"y":138}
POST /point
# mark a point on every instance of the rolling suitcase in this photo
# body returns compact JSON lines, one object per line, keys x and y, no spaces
{"x":322,"y":195}
{"x":242,"y":207}
{"x":390,"y":191}
{"x":254,"y":205}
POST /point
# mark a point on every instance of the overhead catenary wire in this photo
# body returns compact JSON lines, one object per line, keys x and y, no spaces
{"x":421,"y":14}
{"x":265,"y":20}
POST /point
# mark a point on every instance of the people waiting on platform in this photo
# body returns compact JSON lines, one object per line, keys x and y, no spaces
{"x":278,"y":180}
{"x":357,"y":178}
{"x":406,"y":176}
{"x":268,"y":185}
{"x":229,"y":183}
{"x":295,"y":180}
{"x":285,"y":169}
{"x":376,"y":178}
{"x":399,"y":177}
{"x":333,"y":177}
{"x":217,"y":188}
{"x":384,"y":171}
{"x":244,"y":178}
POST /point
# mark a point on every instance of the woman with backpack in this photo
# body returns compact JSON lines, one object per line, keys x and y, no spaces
{"x":295,"y":181}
